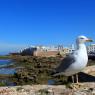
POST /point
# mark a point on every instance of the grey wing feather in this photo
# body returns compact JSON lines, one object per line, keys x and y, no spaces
{"x":65,"y":63}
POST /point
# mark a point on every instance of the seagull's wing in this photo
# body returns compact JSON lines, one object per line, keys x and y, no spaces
{"x":65,"y":63}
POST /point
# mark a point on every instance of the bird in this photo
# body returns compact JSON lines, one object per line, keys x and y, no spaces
{"x":75,"y":62}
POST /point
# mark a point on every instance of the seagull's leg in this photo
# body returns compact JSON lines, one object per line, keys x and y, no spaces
{"x":77,"y":84}
{"x":72,"y":78}
{"x":77,"y":79}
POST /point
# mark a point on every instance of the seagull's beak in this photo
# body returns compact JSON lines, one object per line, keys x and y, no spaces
{"x":89,"y":40}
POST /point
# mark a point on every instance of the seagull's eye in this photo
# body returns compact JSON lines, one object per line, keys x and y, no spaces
{"x":81,"y":38}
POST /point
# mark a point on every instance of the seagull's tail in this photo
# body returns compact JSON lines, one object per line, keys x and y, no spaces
{"x":57,"y":74}
{"x":54,"y":73}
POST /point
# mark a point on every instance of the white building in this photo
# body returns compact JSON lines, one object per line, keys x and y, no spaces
{"x":49,"y":48}
{"x":67,"y":50}
{"x":72,"y":48}
{"x":91,"y":48}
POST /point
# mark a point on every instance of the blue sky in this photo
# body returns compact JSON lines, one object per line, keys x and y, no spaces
{"x":44,"y":22}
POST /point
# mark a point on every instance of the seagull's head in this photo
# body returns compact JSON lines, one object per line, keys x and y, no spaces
{"x":83,"y":39}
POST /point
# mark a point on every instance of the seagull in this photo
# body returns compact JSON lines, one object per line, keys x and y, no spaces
{"x":75,"y":62}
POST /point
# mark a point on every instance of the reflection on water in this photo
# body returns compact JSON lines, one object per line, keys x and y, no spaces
{"x":6,"y":70}
{"x":7,"y":82}
{"x":51,"y":82}
{"x":5,"y":62}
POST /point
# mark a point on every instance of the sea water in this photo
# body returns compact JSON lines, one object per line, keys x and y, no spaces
{"x":3,"y":64}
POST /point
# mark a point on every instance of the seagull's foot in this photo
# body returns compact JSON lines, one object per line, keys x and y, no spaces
{"x":79,"y":84}
{"x":75,"y":86}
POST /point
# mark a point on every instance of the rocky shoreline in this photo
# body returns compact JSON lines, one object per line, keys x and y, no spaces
{"x":83,"y":89}
{"x":38,"y":70}
{"x":33,"y":73}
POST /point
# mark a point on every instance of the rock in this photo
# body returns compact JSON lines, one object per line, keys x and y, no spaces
{"x":89,"y":69}
{"x":85,"y":89}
